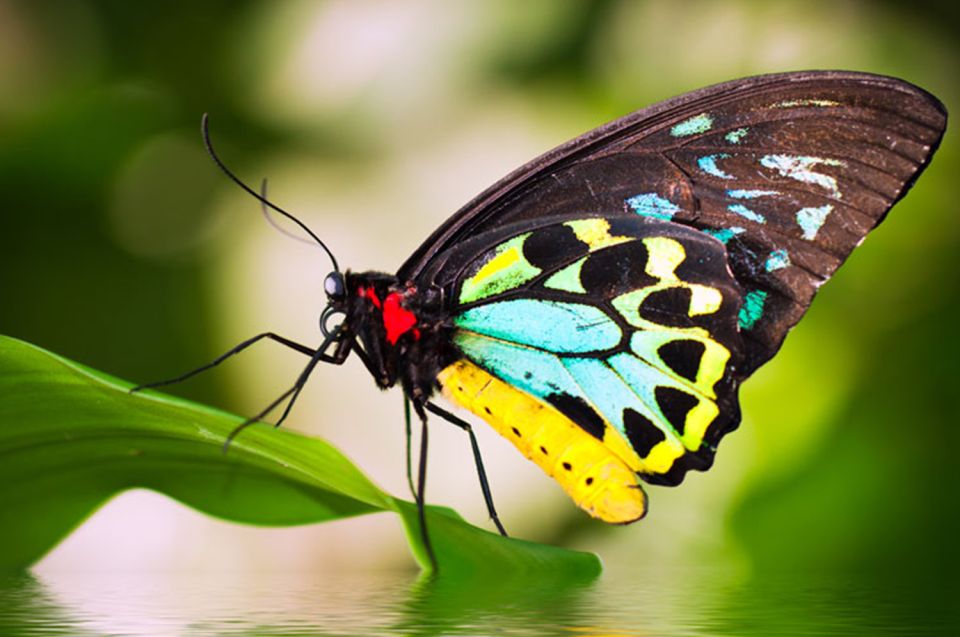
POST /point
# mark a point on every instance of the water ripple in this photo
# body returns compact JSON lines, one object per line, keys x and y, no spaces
{"x":375,"y":604}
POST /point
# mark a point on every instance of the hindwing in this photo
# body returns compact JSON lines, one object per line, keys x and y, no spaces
{"x":627,"y":327}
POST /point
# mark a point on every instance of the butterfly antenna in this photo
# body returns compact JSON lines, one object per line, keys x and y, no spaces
{"x":269,"y":217}
{"x":205,"y":131}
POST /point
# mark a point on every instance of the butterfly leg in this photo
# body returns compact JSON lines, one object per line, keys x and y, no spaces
{"x":420,"y":492}
{"x":408,"y":431}
{"x":477,"y":458}
{"x":319,"y":355}
{"x":303,"y":349}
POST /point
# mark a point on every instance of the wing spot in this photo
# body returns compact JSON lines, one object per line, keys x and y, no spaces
{"x":675,"y":405}
{"x":752,"y":309}
{"x":669,"y":307}
{"x":683,"y":357}
{"x":589,"y":481}
{"x":579,"y":411}
{"x":547,"y":247}
{"x":613,"y":271}
{"x":487,"y":409}
{"x":544,"y":450}
{"x":692,"y":126}
{"x":642,"y":434}
{"x":516,"y":432}
{"x":567,"y":466}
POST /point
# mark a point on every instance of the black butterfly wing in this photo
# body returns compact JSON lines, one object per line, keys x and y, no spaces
{"x":791,"y":171}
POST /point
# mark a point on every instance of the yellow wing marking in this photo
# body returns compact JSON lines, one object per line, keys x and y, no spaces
{"x":505,"y":270}
{"x":665,"y":255}
{"x":500,"y":262}
{"x":703,"y":299}
{"x":595,"y":477}
{"x":596,"y":233}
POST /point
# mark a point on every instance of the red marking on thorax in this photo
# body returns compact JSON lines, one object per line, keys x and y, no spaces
{"x":397,"y":319}
{"x":370,"y":293}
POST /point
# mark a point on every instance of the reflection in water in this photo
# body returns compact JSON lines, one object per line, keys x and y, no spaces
{"x":509,"y":606}
{"x":27,"y":608}
{"x":373,"y":604}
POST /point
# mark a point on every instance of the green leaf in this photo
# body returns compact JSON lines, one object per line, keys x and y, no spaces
{"x":71,"y":438}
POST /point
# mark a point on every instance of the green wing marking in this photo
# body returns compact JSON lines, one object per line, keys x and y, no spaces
{"x":502,"y":269}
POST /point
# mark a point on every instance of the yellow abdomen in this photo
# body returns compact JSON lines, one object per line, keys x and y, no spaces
{"x":597,"y":479}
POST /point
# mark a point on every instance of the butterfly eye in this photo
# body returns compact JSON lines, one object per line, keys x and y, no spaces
{"x":334,"y":287}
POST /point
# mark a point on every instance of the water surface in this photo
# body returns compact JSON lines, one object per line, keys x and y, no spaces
{"x":375,"y":604}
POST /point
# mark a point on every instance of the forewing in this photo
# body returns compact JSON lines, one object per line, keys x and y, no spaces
{"x":790,"y":171}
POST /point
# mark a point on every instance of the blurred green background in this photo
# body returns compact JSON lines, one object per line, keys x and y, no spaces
{"x":123,"y":248}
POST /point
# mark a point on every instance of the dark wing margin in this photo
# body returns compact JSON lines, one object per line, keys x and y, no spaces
{"x":791,"y":171}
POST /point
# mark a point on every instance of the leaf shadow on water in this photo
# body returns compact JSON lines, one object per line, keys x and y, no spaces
{"x":513,"y":605}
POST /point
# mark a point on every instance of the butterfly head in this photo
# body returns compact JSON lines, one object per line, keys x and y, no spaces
{"x":336,"y":288}
{"x":362,"y":299}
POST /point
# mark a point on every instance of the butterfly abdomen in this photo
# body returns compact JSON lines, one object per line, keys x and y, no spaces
{"x":597,"y":480}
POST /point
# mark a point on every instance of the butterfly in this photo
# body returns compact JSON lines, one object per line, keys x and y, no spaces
{"x":600,"y":306}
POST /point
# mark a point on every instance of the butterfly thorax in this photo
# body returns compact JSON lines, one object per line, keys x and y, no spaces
{"x":400,"y":330}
